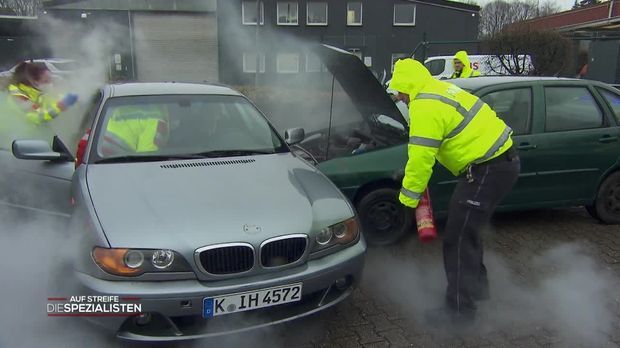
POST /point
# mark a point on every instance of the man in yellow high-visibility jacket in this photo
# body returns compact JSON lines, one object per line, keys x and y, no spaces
{"x":462,"y":66}
{"x":135,"y":129}
{"x":465,"y":135}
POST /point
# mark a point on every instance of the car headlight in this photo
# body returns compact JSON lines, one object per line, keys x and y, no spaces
{"x":134,"y":262}
{"x":163,"y":259}
{"x":339,"y":234}
{"x":324,"y":236}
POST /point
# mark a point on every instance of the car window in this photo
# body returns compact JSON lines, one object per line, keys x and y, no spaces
{"x":514,"y":106}
{"x":571,"y":108}
{"x":182,"y":125}
{"x":436,"y":67}
{"x":613,"y":99}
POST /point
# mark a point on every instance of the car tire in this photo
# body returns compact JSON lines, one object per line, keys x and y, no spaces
{"x":607,"y":202}
{"x":384,"y":219}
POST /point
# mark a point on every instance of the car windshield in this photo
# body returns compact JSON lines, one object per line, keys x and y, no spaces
{"x":144,"y":128}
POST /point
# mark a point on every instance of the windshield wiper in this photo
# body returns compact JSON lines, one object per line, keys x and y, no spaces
{"x":147,"y":158}
{"x":231,"y":153}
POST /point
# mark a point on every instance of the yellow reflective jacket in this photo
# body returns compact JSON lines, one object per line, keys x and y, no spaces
{"x":134,"y":128}
{"x":447,"y":124}
{"x":36,"y":106}
{"x":467,"y":70}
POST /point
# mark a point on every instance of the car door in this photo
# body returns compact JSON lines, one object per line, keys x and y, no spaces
{"x":576,"y":144}
{"x":34,"y":187}
{"x":514,"y":104}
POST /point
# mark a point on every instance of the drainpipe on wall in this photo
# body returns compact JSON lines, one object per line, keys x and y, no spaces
{"x":611,"y":7}
{"x":131,"y":48}
{"x":256,"y":42}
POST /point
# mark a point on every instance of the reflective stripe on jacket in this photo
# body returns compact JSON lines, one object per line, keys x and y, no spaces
{"x":447,"y":124}
{"x":35,"y":106}
{"x":467,"y":70}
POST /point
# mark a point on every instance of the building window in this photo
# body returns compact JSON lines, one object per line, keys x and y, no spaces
{"x":249,"y":62}
{"x":397,"y":56}
{"x":248,"y":13}
{"x":354,"y":13}
{"x":288,"y":63}
{"x":287,"y":13}
{"x":404,"y":14}
{"x":313,"y":63}
{"x":316,"y":13}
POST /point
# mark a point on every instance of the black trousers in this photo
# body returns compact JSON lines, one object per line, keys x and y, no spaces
{"x":471,"y":207}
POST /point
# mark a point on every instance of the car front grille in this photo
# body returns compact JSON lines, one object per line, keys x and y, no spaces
{"x":283,"y":251}
{"x":227,"y":259}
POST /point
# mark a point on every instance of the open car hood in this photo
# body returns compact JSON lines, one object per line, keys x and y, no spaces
{"x":366,"y":92}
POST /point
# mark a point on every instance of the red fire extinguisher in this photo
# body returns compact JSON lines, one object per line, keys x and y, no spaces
{"x":424,"y":219}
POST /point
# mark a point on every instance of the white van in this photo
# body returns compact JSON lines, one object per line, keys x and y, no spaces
{"x":441,"y":67}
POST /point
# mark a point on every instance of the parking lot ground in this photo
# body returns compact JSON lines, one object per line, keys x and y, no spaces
{"x":554,"y":277}
{"x":555,"y":282}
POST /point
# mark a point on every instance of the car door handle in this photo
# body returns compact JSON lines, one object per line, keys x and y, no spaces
{"x":607,"y":139}
{"x":526,"y":146}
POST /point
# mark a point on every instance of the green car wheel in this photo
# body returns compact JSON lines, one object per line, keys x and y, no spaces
{"x":384,"y":219}
{"x":607,"y":203}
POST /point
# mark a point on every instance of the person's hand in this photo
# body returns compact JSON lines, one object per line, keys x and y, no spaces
{"x":67,"y":101}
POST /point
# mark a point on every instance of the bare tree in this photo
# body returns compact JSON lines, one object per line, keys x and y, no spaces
{"x":549,"y":51}
{"x":497,"y":15}
{"x":20,"y":7}
{"x":548,"y":8}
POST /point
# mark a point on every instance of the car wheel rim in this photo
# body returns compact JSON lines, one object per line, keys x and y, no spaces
{"x":384,"y":216}
{"x":613,"y":199}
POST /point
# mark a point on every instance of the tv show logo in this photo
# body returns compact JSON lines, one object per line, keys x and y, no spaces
{"x":93,"y":306}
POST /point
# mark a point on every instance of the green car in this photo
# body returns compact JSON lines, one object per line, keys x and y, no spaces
{"x":566,"y":130}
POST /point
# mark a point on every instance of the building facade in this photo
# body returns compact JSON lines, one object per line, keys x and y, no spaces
{"x":219,"y":40}
{"x":378,"y":31}
{"x":144,"y":40}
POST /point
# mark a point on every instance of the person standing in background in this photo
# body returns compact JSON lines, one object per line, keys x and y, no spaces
{"x":462,"y":66}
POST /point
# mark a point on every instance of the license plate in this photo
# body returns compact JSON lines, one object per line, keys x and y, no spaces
{"x":246,"y":301}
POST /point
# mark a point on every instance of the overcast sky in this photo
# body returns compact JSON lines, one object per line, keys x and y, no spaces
{"x":564,"y":4}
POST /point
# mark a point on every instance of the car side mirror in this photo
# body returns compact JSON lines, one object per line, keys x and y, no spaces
{"x":36,"y":150}
{"x":294,"y":136}
{"x":60,"y":147}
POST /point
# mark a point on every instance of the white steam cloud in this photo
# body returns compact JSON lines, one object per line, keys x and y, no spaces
{"x":570,"y":295}
{"x":91,"y":48}
{"x":40,"y":249}
{"x":37,"y":246}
